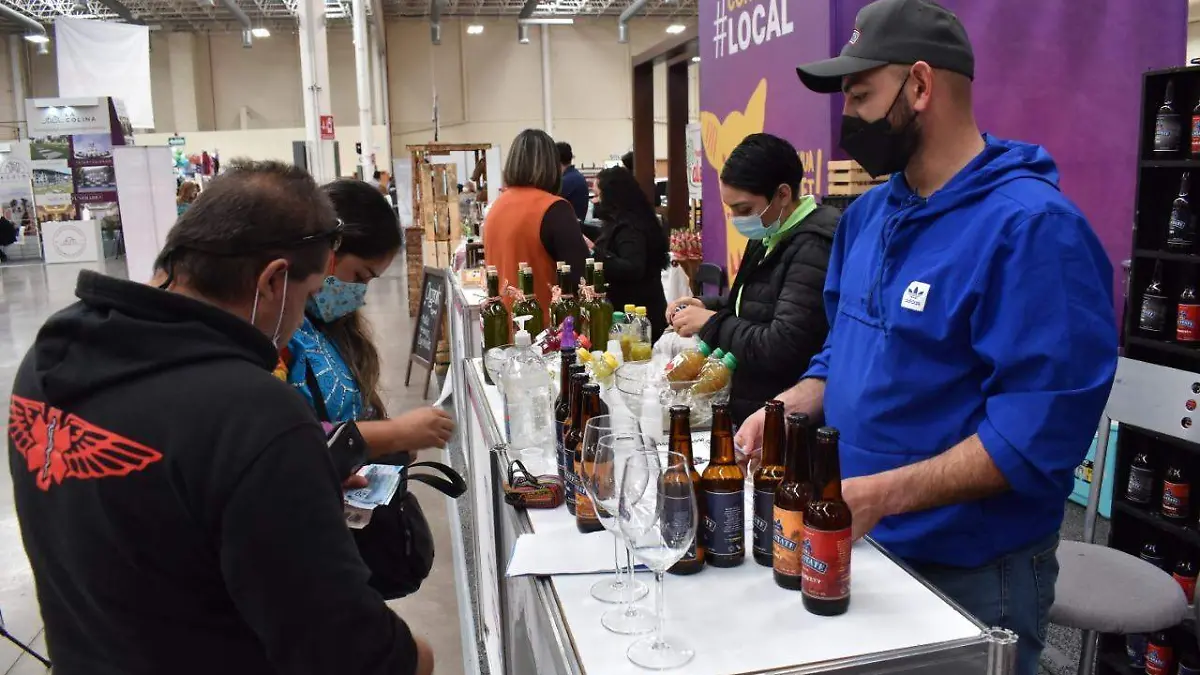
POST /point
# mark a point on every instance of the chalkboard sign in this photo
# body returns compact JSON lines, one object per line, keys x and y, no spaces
{"x":430,"y":316}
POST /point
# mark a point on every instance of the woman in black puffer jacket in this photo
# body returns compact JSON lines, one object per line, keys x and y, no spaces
{"x":773,"y":318}
{"x":631,"y":245}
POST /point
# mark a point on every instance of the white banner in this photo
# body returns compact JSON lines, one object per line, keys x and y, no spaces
{"x":99,"y":58}
{"x":695,"y":155}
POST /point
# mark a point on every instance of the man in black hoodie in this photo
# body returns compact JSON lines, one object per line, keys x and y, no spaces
{"x":176,"y":500}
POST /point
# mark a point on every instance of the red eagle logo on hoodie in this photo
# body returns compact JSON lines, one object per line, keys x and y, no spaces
{"x":57,"y":445}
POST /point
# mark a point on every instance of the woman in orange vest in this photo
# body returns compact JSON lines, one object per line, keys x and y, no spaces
{"x":529,"y":222}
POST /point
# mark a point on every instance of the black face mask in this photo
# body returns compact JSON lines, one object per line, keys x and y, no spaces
{"x":877,"y":146}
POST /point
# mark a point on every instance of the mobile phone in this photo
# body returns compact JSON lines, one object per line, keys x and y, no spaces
{"x":347,"y":449}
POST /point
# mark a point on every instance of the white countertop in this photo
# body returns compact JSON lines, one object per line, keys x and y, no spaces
{"x":739,"y":621}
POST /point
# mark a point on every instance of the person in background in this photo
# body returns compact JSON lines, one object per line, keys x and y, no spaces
{"x":627,"y":161}
{"x":176,"y":500}
{"x":973,"y":341}
{"x":187,"y":193}
{"x":332,"y":350}
{"x":374,"y":180}
{"x":529,"y":222}
{"x":574,"y":185}
{"x":631,"y":245}
{"x":8,"y":236}
{"x":772,"y":319}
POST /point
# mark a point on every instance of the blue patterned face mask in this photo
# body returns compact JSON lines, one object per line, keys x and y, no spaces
{"x":336,"y":299}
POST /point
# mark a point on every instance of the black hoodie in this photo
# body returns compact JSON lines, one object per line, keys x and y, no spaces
{"x":187,"y":518}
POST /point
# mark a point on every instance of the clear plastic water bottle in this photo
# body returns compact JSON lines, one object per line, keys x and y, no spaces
{"x":528,"y":397}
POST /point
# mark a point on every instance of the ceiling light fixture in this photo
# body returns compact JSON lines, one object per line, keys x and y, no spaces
{"x":261,"y":32}
{"x":547,"y":21}
{"x":474,"y":29}
{"x":676,"y":28}
{"x":695,"y":59}
{"x":38,"y":38}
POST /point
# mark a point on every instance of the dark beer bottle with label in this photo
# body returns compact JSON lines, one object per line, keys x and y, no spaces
{"x":494,"y":315}
{"x":791,"y":500}
{"x":1181,"y":228}
{"x":827,"y":532}
{"x":1152,"y":554}
{"x":681,"y":442}
{"x":1187,"y":323}
{"x":723,"y":489}
{"x":1168,"y":127}
{"x":1160,"y":655}
{"x":566,"y":456}
{"x":1153,"y":318}
{"x":1140,"y":488}
{"x":1176,"y":493}
{"x":585,"y":511}
{"x":767,"y":478}
{"x":1185,"y":575}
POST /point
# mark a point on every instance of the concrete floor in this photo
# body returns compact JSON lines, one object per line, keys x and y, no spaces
{"x":30,"y":292}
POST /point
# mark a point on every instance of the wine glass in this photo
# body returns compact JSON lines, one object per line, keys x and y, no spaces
{"x":657,"y":514}
{"x":597,"y":477}
{"x":611,"y":454}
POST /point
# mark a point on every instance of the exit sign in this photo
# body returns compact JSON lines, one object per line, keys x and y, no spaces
{"x":176,"y":141}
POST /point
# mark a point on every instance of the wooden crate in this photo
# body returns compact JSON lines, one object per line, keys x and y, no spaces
{"x":847,"y":177}
{"x":414,"y":263}
{"x":438,"y":197}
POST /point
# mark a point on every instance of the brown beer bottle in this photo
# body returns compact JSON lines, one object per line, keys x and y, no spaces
{"x":562,"y":411}
{"x":791,"y":500}
{"x":723,"y":489}
{"x":681,"y":442}
{"x":827,"y":522}
{"x":585,"y":511}
{"x":572,"y":434}
{"x":766,"y":481}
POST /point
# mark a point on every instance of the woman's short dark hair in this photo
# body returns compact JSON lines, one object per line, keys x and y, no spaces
{"x":761,"y":163}
{"x":623,"y":200}
{"x":254,"y":212}
{"x":533,"y":162}
{"x":369,"y":226}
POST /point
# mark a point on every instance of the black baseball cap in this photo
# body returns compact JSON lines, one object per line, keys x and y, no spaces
{"x":895,"y":31}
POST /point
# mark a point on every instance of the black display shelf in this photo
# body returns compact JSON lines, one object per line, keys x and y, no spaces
{"x":1118,"y":662}
{"x":1146,"y":515}
{"x":1162,"y":439}
{"x":1152,"y":254}
{"x":1169,"y":164}
{"x":1164,"y":346}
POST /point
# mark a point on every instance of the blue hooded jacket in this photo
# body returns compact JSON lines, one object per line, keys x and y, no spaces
{"x":986,"y":308}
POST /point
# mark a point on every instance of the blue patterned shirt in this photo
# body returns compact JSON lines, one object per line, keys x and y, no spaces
{"x":309,"y":346}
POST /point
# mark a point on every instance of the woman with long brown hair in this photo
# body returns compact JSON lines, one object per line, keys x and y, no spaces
{"x":332,"y":359}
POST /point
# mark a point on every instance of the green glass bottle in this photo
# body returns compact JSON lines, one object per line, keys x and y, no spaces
{"x":602,"y":310}
{"x":496,"y":324}
{"x":566,"y":305}
{"x":530,"y":305}
{"x":586,"y":304}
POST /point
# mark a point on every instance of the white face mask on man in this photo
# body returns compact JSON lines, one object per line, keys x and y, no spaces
{"x":282,"y":308}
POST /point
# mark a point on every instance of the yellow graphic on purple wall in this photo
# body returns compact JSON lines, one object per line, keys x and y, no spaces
{"x":720,"y":137}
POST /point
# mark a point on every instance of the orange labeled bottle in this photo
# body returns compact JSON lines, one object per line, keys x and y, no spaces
{"x":791,"y":500}
{"x":827,"y":533}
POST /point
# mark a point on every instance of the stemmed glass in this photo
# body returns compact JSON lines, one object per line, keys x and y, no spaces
{"x":595,"y":482}
{"x":609,"y":456}
{"x":657,"y":515}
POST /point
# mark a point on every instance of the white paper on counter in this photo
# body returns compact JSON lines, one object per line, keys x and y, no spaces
{"x":561,"y":552}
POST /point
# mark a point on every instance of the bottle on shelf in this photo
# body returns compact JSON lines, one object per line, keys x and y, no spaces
{"x":586,"y":301}
{"x":1196,"y":131}
{"x":617,"y":332}
{"x":1153,"y":317}
{"x":687,"y":364}
{"x":723,"y":489}
{"x":1152,"y":554}
{"x":1168,"y":131}
{"x":1189,"y":659}
{"x":494,"y":316}
{"x":1181,"y":227}
{"x":528,"y":396}
{"x":529,"y":305}
{"x":717,"y":377}
{"x":1176,"y":492}
{"x":566,"y":305}
{"x":681,"y":443}
{"x":565,"y":458}
{"x":585,"y":511}
{"x":1185,"y":573}
{"x":601,"y":309}
{"x":767,"y":478}
{"x":1160,"y":655}
{"x":791,"y":500}
{"x":1140,"y":488}
{"x":1187,"y":322}
{"x":827,"y":532}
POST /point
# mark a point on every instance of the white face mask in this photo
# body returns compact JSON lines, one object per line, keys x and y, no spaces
{"x":282,"y":306}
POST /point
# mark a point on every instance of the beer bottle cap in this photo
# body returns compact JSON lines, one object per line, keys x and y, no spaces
{"x":827,"y":434}
{"x":798,"y":418}
{"x":680,"y":411}
{"x":591,"y":388}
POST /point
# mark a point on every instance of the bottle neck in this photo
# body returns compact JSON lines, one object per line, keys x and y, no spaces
{"x":568,"y":360}
{"x":681,"y":438}
{"x":527,"y":284}
{"x":722,"y":439}
{"x":826,"y":472}
{"x":599,"y":286}
{"x":797,"y":470}
{"x":493,"y":285}
{"x":577,"y":402}
{"x":773,"y":440}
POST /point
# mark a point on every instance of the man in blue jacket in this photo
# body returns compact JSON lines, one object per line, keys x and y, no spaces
{"x":574,"y":184}
{"x":972,"y":343}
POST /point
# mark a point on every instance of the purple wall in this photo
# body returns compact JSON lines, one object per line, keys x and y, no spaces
{"x":1066,"y":75}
